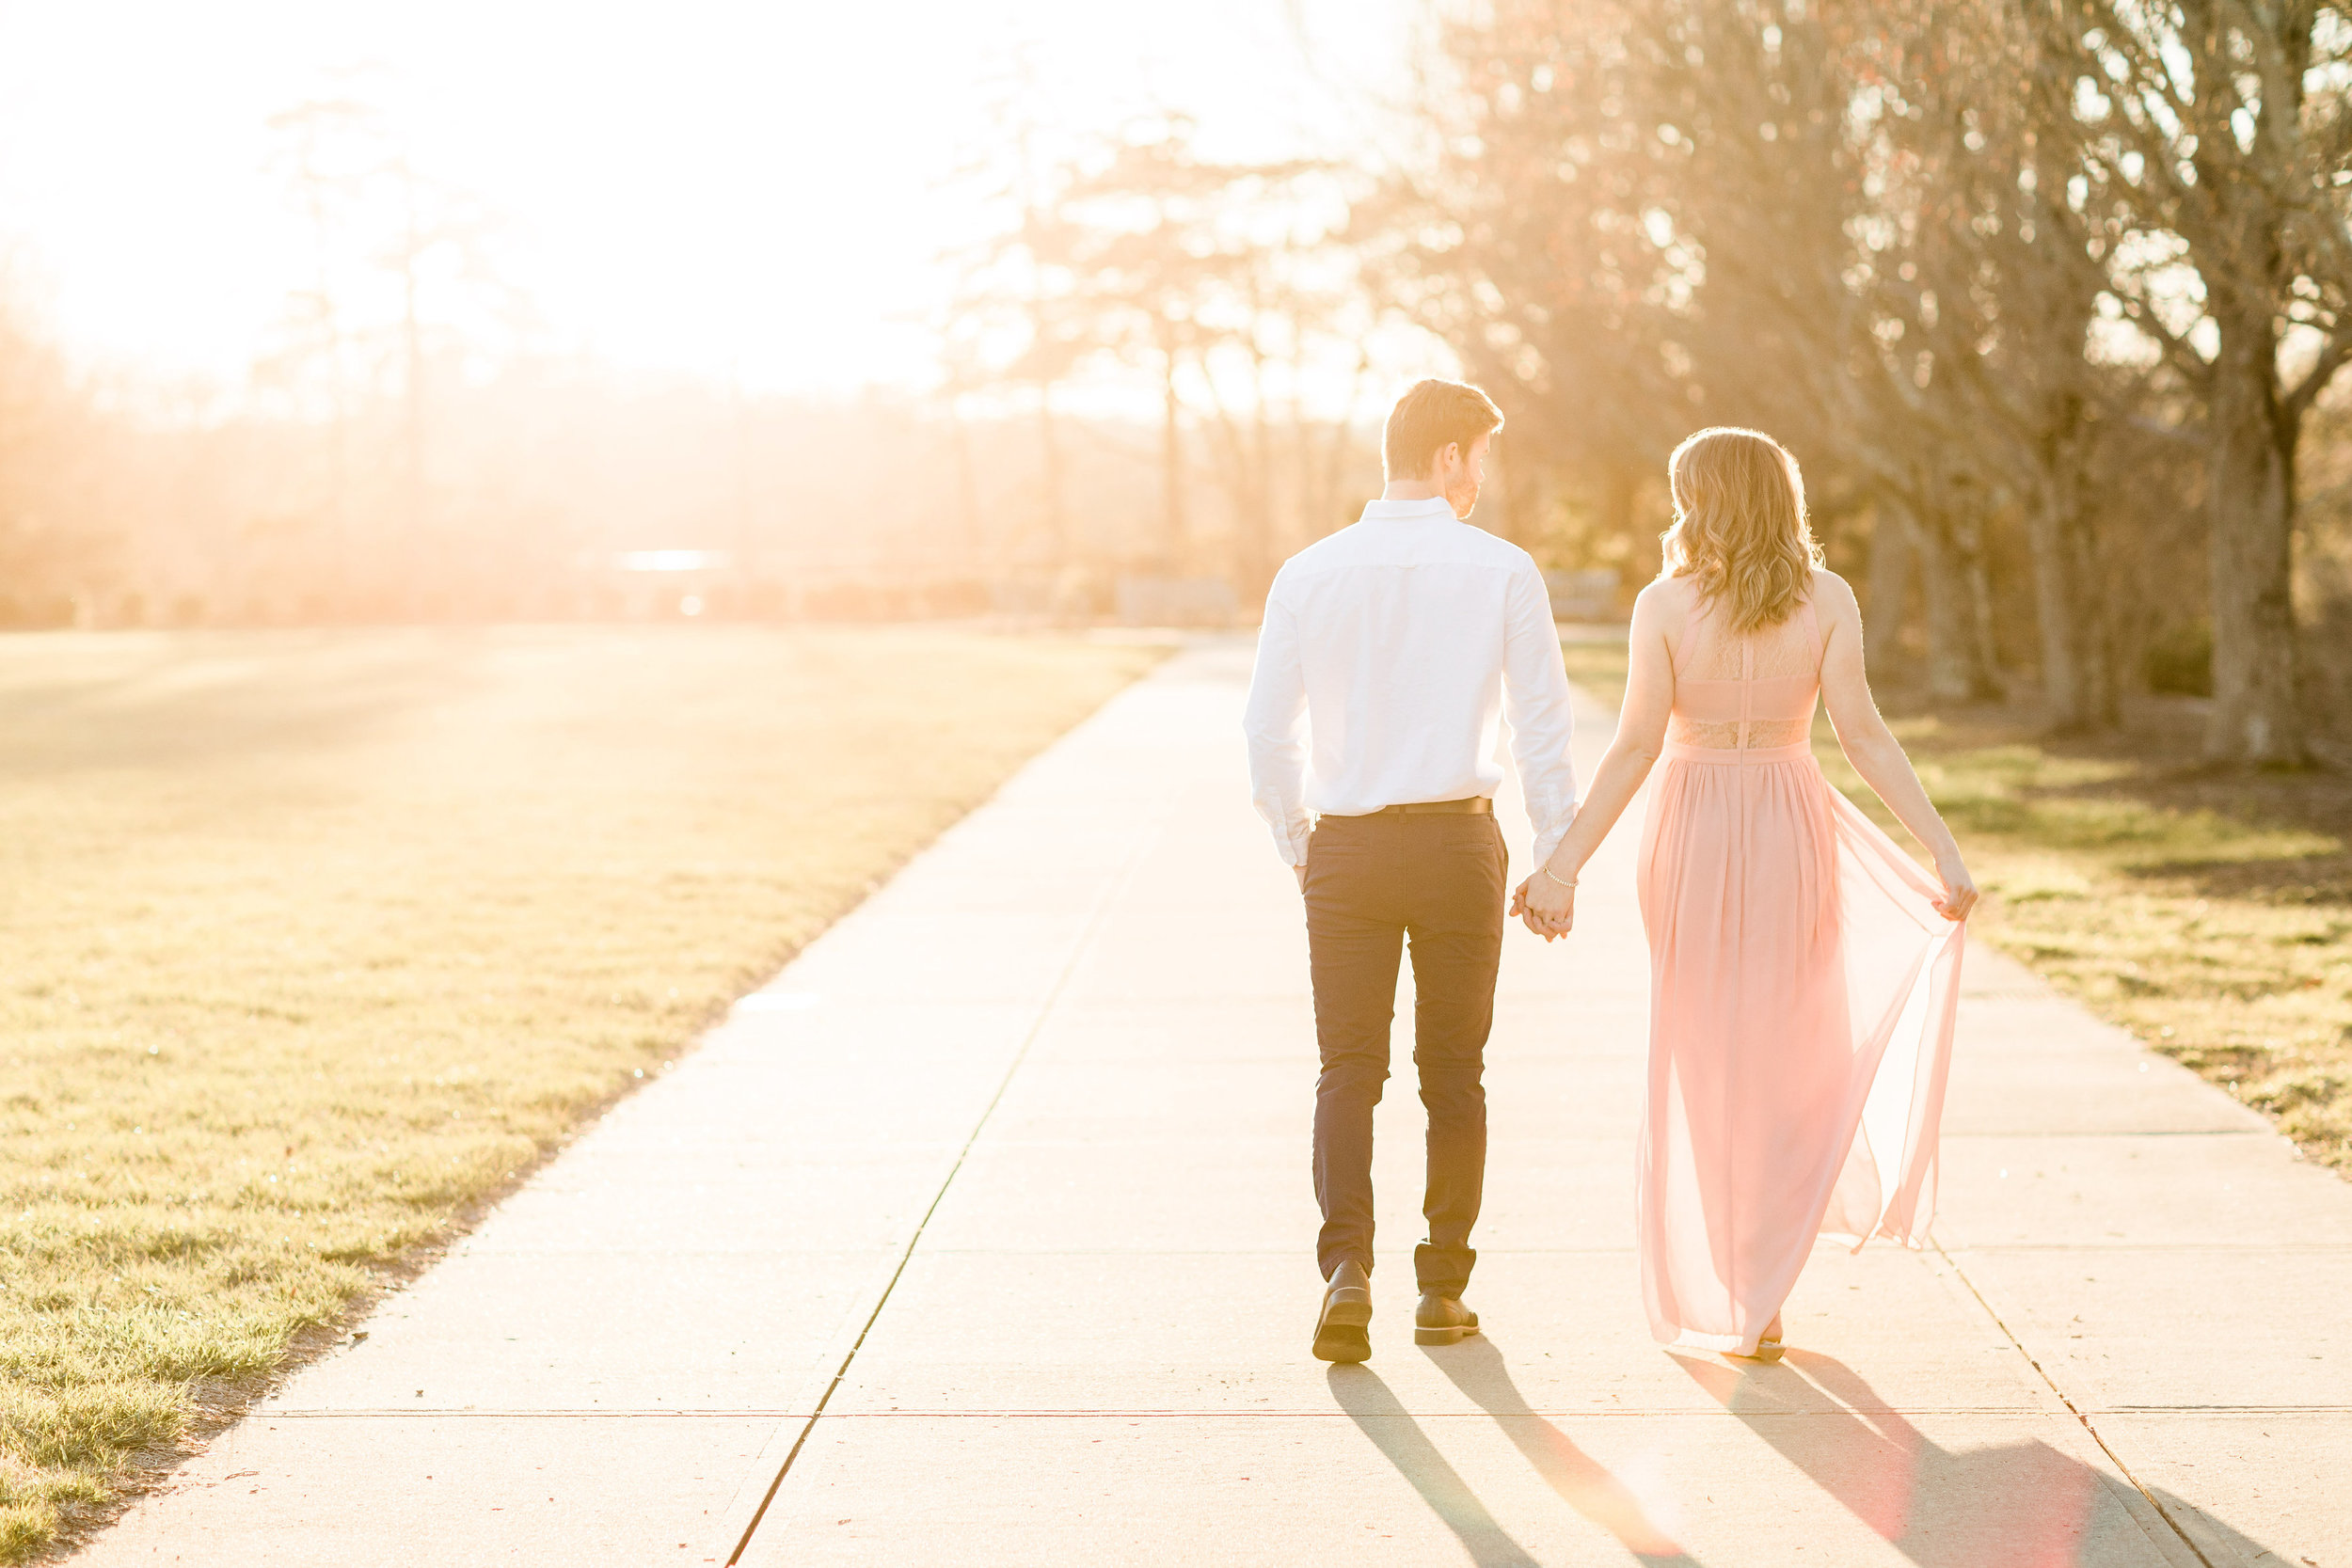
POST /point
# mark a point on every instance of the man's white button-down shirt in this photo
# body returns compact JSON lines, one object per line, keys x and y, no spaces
{"x":1393,"y":654}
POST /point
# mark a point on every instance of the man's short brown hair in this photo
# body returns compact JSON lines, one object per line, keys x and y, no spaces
{"x":1430,"y":417}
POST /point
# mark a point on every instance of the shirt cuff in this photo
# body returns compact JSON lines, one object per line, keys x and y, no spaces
{"x":1549,"y":840}
{"x":1290,"y":838}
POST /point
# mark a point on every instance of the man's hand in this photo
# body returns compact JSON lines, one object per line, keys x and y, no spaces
{"x":1301,"y":872}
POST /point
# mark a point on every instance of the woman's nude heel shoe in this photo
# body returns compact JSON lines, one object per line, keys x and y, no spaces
{"x":1769,"y":1346}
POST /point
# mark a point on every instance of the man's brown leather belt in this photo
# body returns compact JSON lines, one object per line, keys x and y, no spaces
{"x":1477,"y":806}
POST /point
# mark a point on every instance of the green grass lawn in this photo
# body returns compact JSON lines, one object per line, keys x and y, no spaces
{"x":314,"y":942}
{"x":2210,"y":913}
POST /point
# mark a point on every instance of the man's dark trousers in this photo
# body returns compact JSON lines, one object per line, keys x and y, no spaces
{"x":1371,"y":881}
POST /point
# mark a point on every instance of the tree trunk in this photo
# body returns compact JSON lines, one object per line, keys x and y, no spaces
{"x":1893,"y":558}
{"x":1174,"y":546}
{"x":1984,"y":661}
{"x":2095,"y":617}
{"x":1254,"y":491}
{"x":2071,"y":602}
{"x":1239,"y":475}
{"x":1958,"y":605}
{"x":2049,"y":521}
{"x":968,"y":496}
{"x":2071,"y":608}
{"x":2255,"y":716}
{"x":746,"y":503}
{"x":1048,"y":453}
{"x":413,"y":549}
{"x":1254,"y":519}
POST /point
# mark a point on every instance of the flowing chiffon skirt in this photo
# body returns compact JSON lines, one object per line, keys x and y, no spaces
{"x":1802,"y":992}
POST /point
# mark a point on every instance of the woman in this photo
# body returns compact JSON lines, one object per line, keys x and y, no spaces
{"x":1803,"y":970}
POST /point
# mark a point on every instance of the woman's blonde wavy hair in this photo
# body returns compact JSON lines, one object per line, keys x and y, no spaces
{"x":1739,"y":526}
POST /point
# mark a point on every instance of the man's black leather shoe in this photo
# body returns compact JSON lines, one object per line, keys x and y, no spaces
{"x":1441,"y":1320}
{"x":1347,"y":1310}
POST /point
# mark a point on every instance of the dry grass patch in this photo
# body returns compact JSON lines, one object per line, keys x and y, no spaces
{"x":2208,"y":913}
{"x":314,"y":941}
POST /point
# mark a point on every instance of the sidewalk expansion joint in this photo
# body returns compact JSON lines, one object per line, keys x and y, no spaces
{"x":1711,"y":1415}
{"x":2013,"y":1132}
{"x":2315,"y":1249}
{"x":472,"y":1413}
{"x":1045,"y":1009}
{"x":2072,"y":1409}
{"x":755,"y":1413}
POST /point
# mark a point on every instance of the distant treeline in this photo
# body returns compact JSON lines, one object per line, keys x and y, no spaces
{"x":2046,"y":294}
{"x":542,"y":482}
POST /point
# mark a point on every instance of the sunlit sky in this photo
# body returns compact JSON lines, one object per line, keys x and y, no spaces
{"x":722,"y":189}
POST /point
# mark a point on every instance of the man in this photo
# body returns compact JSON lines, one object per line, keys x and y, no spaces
{"x":1398,"y":645}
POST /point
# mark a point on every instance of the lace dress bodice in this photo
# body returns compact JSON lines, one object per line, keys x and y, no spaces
{"x":1746,"y":692}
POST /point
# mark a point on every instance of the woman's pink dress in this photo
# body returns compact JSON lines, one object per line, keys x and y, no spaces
{"x":1803,"y":988}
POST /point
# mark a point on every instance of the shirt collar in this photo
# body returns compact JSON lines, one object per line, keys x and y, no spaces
{"x":1434,"y":508}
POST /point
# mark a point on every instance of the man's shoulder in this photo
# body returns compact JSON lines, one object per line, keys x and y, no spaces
{"x":1333,"y":553}
{"x":1339,"y":547}
{"x":1495,"y":549}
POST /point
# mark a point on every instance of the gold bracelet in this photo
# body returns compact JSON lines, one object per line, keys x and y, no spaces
{"x":1547,"y":871}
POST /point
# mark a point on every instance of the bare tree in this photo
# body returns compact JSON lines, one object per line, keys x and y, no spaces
{"x":317,"y":142}
{"x":1528,"y":240}
{"x":1804,"y":307}
{"x":1150,"y":212}
{"x":1989,"y":282}
{"x":1280,"y":304}
{"x":1232,"y":285}
{"x":60,"y":538}
{"x":440,"y":226}
{"x":2218,"y":134}
{"x":401,"y":264}
{"x":1013,"y":319}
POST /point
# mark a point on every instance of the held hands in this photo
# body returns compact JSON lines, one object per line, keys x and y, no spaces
{"x":1547,"y":905}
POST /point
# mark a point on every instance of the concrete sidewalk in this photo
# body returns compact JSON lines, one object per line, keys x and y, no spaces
{"x":984,"y":1236}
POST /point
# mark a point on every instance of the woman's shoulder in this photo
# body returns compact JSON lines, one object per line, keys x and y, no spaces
{"x":1832,"y":592}
{"x":1665,"y":600}
{"x":1665,"y":588}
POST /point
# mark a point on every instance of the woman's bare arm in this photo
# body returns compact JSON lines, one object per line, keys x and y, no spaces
{"x":1871,"y":747}
{"x":1548,"y":906}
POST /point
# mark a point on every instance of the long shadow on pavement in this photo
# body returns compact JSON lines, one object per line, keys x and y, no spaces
{"x":1586,"y":1484}
{"x":1381,"y":1416}
{"x":2021,"y":1503}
